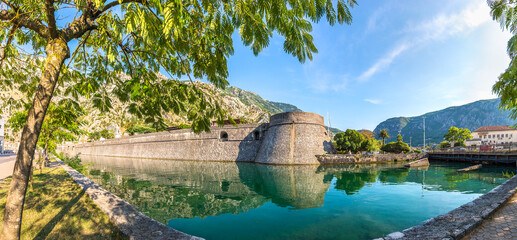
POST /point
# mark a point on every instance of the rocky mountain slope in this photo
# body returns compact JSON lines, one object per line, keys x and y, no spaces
{"x":471,"y":116}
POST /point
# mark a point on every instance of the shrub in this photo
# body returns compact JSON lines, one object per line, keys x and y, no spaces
{"x":396,"y":147}
{"x":445,"y":144}
{"x":76,"y":163}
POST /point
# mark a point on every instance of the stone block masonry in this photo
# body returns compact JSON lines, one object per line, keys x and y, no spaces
{"x":289,"y":138}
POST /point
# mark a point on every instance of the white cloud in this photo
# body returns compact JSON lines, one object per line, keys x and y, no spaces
{"x":443,"y":26}
{"x":372,"y":101}
{"x":440,"y":27}
{"x":383,"y":62}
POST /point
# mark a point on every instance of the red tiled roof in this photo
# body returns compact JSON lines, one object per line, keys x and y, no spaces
{"x":494,"y":128}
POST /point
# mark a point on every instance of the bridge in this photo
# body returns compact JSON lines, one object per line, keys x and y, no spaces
{"x":489,"y":157}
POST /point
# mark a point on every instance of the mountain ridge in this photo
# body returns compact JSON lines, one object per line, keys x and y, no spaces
{"x":471,"y":115}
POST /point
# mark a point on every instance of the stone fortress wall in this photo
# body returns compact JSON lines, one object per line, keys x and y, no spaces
{"x":289,"y":138}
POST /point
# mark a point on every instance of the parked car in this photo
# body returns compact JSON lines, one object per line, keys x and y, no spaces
{"x":486,"y":148}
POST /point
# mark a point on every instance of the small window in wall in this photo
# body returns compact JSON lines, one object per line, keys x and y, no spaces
{"x":507,"y":135}
{"x":223,"y":136}
{"x":256,"y":135}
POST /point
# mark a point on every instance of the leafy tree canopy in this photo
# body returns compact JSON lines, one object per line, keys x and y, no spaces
{"x":120,"y":46}
{"x":445,"y":144}
{"x":370,"y":145}
{"x":124,"y":44}
{"x":367,"y":133}
{"x":396,"y":147}
{"x":62,"y":123}
{"x":349,"y":141}
{"x":455,"y":135}
{"x":399,"y":138}
{"x":505,"y":12}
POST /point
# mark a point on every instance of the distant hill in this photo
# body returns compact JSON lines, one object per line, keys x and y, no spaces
{"x":471,"y":116}
{"x":254,"y":100}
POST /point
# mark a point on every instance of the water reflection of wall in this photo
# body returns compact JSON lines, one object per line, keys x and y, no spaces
{"x":187,"y":189}
{"x":295,"y":186}
{"x":175,"y":189}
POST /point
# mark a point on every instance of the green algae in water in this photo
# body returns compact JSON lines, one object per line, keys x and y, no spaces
{"x":252,"y":201}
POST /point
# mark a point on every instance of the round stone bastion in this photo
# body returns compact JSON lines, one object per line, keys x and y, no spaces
{"x":294,"y":138}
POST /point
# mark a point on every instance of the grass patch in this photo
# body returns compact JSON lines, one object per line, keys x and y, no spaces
{"x":57,"y":208}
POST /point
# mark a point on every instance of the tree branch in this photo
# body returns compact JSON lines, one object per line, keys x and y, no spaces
{"x":87,"y":21}
{"x":78,"y":28}
{"x":115,"y":3}
{"x":22,"y":20}
{"x":51,"y":19}
{"x":9,"y":40}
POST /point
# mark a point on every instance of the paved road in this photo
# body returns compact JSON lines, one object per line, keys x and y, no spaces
{"x":6,"y":166}
{"x":502,"y":225}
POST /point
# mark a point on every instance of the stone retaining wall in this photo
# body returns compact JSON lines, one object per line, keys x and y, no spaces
{"x":125,"y":216}
{"x":367,"y":158}
{"x":241,"y":144}
{"x":459,"y":222}
{"x":291,"y":138}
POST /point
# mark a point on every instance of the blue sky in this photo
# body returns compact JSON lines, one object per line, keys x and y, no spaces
{"x":398,"y":58}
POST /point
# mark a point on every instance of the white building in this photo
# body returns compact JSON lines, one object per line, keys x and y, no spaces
{"x":493,"y":135}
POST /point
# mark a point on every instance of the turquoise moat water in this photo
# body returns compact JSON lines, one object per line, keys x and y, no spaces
{"x":217,"y":200}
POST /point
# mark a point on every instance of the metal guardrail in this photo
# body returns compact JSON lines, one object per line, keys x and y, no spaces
{"x":495,"y":156}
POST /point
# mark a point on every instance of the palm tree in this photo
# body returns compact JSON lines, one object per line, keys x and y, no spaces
{"x":383,"y":134}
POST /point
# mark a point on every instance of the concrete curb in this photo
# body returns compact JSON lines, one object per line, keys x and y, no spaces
{"x":461,"y":221}
{"x":125,"y":216}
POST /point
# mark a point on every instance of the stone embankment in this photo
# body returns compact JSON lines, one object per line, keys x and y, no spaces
{"x":462,"y":220}
{"x":418,"y":163}
{"x":125,"y":216}
{"x":367,"y":158}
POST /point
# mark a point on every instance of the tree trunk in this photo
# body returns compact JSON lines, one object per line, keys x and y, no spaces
{"x":57,"y":51}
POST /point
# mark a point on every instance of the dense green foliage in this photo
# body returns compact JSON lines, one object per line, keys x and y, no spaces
{"x":125,"y":44}
{"x":61,"y":124}
{"x":399,"y":138}
{"x":353,"y":141}
{"x":444,"y":144}
{"x":396,"y":147}
{"x":139,"y":128}
{"x":349,"y":141}
{"x":76,"y":163}
{"x":367,"y":133}
{"x":470,"y":116}
{"x":370,"y":145}
{"x":105,"y":133}
{"x":458,"y":136}
{"x":505,"y":12}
